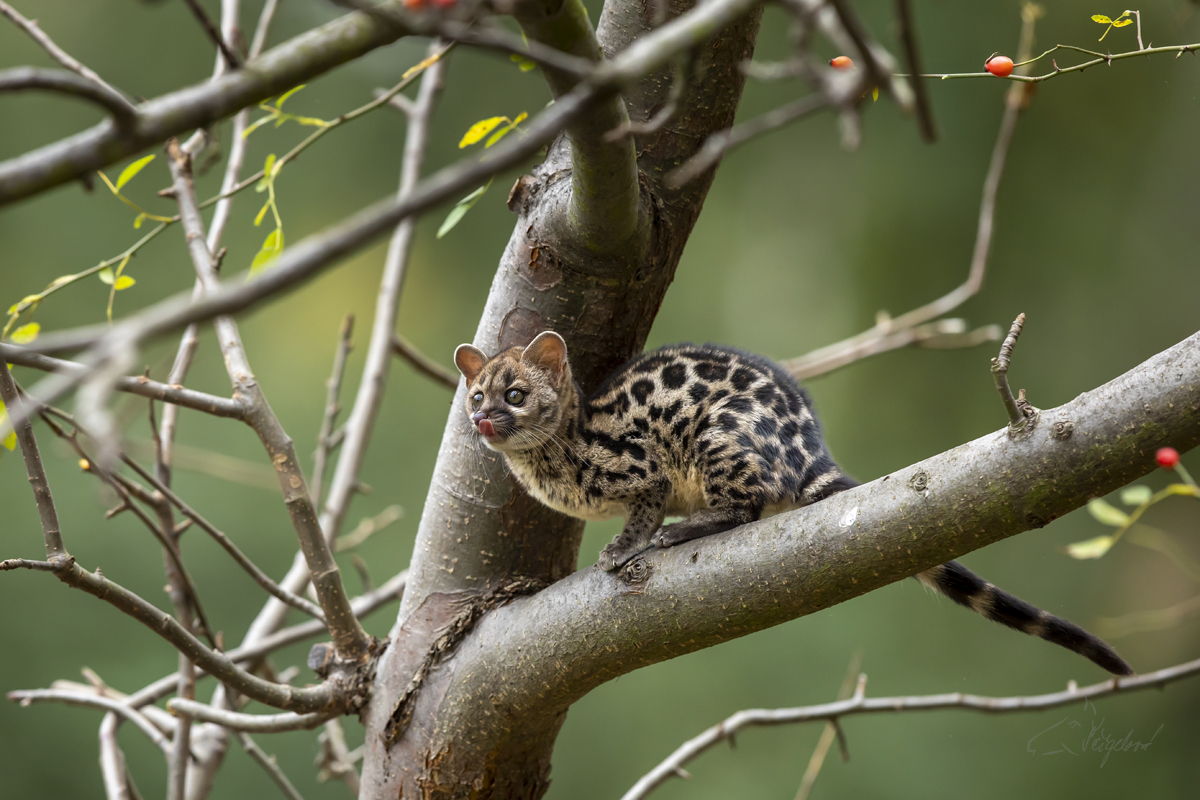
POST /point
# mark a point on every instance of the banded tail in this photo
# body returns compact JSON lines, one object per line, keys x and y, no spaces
{"x":968,"y":589}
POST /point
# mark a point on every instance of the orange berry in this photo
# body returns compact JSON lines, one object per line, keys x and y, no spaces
{"x":1000,"y":66}
{"x":841,"y":62}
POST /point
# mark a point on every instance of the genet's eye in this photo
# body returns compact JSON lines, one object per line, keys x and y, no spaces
{"x":477,"y":400}
{"x":514,"y":397}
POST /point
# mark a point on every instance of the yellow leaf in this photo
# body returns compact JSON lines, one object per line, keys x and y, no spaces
{"x":1103,"y":20}
{"x":123,"y":282}
{"x":1092,"y":548}
{"x":479,"y":130}
{"x":261,"y":213}
{"x":875,"y":95}
{"x":1121,"y":23}
{"x":26,"y":333}
{"x":10,"y":441}
{"x":132,"y":170}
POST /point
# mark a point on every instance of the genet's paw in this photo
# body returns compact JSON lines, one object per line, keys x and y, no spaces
{"x":617,"y":553}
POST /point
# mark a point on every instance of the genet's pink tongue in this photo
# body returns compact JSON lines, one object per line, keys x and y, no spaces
{"x":485,"y":427}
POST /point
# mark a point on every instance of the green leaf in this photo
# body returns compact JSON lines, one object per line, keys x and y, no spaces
{"x":123,"y":282}
{"x":283,"y":97}
{"x":262,"y":212}
{"x":1103,"y":20}
{"x":10,"y":441}
{"x":106,"y":275}
{"x":1136,"y":495}
{"x":1092,"y":548}
{"x":453,"y":218}
{"x":460,"y":210}
{"x":132,"y":170}
{"x":1106,"y":514}
{"x":314,"y":122}
{"x":479,"y":130}
{"x":258,"y":123}
{"x":26,"y":333}
{"x":270,"y":162}
{"x":272,"y":247}
{"x":137,"y":222}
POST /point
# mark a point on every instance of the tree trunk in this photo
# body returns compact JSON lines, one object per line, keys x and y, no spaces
{"x":479,"y":532}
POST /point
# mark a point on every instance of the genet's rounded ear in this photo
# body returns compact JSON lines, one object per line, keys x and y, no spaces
{"x":469,"y":360}
{"x":548,"y":351}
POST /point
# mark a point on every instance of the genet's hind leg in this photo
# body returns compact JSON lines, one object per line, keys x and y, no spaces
{"x":704,"y":523}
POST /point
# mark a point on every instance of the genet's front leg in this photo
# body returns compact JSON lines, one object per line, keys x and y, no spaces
{"x":646,"y":512}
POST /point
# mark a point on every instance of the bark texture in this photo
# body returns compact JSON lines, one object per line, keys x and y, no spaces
{"x":479,"y":532}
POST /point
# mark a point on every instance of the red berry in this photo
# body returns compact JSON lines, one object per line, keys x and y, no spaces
{"x":413,"y":4}
{"x":1000,"y":66}
{"x":1167,"y":457}
{"x":841,"y":62}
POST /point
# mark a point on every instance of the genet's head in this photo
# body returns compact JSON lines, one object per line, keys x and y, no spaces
{"x":515,"y":399}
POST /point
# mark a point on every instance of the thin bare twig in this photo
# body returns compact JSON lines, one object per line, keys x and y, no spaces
{"x":126,"y":712}
{"x":268,"y":763}
{"x":20,"y":79}
{"x":1016,"y":415}
{"x":231,"y":57}
{"x":348,"y":636}
{"x":142,"y":386}
{"x":718,"y":144}
{"x":252,"y":723}
{"x":261,"y":578}
{"x":57,"y":53}
{"x":112,"y":760}
{"x":333,"y":388}
{"x":864,"y":344}
{"x":423,"y":364}
{"x":364,"y":604}
{"x":51,"y":532}
{"x":164,"y":535}
{"x":908,"y":37}
{"x":334,"y":759}
{"x":831,"y":730}
{"x":860,"y":704}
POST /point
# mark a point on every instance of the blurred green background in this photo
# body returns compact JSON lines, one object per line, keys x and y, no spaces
{"x":800,"y":245}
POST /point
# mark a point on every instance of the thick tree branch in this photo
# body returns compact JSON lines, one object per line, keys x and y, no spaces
{"x":300,"y":59}
{"x":604,"y":213}
{"x":541,"y":653}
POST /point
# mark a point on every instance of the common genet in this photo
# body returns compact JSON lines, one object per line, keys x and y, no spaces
{"x":712,"y":434}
